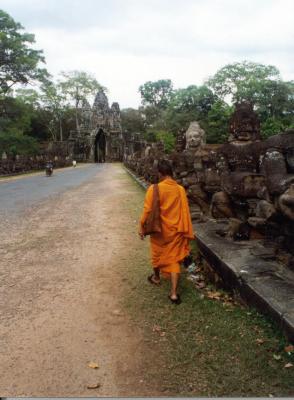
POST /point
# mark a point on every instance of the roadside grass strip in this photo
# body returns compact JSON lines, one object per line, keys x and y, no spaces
{"x":205,"y":346}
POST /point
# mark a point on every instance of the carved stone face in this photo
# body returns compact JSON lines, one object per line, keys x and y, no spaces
{"x":244,"y":124}
{"x":195,"y":136}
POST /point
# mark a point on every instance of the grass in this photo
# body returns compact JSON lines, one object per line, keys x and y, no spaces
{"x":203,"y":347}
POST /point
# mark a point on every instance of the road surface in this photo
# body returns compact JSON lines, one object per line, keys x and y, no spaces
{"x":63,"y":243}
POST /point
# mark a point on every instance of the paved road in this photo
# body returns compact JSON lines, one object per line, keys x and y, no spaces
{"x":18,"y":194}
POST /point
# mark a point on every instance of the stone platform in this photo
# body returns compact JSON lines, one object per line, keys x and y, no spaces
{"x":250,"y":268}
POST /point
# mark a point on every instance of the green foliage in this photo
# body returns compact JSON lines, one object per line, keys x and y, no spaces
{"x":272,"y":126}
{"x":78,"y":86}
{"x":54,"y":102}
{"x":18,"y":60}
{"x":16,"y":144}
{"x":156,"y":93}
{"x":273,"y":99}
{"x":153,"y":136}
{"x":15,"y":115}
{"x":150,"y":136}
{"x":168,"y":139}
{"x":189,"y":104}
{"x":217,"y":122}
{"x":132,"y":120}
{"x":243,"y":81}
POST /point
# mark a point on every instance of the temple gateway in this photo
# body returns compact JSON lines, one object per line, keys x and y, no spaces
{"x":99,"y":135}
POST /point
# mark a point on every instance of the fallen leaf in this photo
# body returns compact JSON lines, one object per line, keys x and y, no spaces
{"x":289,"y":365}
{"x":260,"y":341}
{"x":162,"y":334}
{"x":289,"y":349}
{"x":93,"y":365}
{"x":214,"y":295}
{"x":94,"y":386}
{"x":277,"y":357}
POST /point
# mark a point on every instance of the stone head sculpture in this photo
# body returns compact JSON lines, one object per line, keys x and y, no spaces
{"x":244,"y":125}
{"x":195,"y":136}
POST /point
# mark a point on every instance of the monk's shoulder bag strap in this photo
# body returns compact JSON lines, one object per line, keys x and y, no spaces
{"x":153,"y":222}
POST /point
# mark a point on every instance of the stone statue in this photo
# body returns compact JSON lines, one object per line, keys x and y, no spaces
{"x":244,"y":125}
{"x":195,"y":136}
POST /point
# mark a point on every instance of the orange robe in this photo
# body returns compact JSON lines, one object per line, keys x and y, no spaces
{"x":171,"y":246}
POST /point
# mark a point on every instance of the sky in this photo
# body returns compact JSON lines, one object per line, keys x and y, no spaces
{"x":125,"y":43}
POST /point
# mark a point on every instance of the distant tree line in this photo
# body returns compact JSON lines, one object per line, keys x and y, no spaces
{"x":164,"y":110}
{"x":35,"y":108}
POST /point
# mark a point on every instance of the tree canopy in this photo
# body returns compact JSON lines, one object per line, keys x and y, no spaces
{"x":19,"y":62}
{"x":156,"y":93}
{"x":78,"y":86}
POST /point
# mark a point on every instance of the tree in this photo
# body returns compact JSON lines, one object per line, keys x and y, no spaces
{"x":79,"y":86}
{"x":167,"y":138}
{"x":54,"y":101}
{"x":217,"y":123}
{"x":156,"y":93}
{"x":132,"y":120}
{"x":243,"y":81}
{"x":15,"y":115}
{"x":273,"y":99}
{"x":19,"y":62}
{"x":16,"y":144}
{"x":188,"y":104}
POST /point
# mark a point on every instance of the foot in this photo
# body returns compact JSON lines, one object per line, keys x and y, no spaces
{"x":175,"y":299}
{"x":153,"y":279}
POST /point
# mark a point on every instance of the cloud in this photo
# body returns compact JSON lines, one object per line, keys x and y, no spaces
{"x":125,"y":43}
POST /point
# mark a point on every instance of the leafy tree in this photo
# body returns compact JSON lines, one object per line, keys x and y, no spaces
{"x":79,"y":86}
{"x":273,"y":99}
{"x":15,"y":143}
{"x":157,"y":94}
{"x":19,"y":62}
{"x":186,"y":105}
{"x":242,"y":81}
{"x":217,"y":123}
{"x":15,"y":115}
{"x":168,"y":139}
{"x":132,"y":120}
{"x":54,"y":101}
{"x":29,"y":97}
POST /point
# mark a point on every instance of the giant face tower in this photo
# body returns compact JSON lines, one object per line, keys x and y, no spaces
{"x":99,"y":137}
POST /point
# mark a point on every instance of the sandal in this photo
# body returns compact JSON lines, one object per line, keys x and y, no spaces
{"x":150,"y":279}
{"x":176,"y":301}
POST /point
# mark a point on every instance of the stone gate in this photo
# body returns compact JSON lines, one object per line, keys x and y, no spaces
{"x":99,"y":136}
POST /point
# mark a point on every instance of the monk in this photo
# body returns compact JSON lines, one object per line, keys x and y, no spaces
{"x":171,"y":245}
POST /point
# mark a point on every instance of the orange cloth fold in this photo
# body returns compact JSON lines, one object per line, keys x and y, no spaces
{"x":170,"y":246}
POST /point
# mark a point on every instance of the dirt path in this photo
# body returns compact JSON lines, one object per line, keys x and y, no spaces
{"x":60,"y":296}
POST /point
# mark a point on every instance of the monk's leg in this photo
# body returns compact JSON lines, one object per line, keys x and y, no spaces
{"x":155,"y":277}
{"x":174,"y":285}
{"x":156,"y":273}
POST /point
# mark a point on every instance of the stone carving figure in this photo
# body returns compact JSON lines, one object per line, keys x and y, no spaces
{"x":115,"y":120}
{"x":86,"y":115}
{"x":244,"y":125}
{"x":238,"y":166}
{"x":195,"y":136}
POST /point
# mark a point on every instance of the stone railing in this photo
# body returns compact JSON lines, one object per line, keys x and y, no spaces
{"x":54,"y":151}
{"x":247,"y":182}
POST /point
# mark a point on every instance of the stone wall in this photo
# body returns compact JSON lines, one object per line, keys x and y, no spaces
{"x":57,"y":152}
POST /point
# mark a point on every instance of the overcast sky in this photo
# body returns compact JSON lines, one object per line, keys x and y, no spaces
{"x":125,"y":43}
